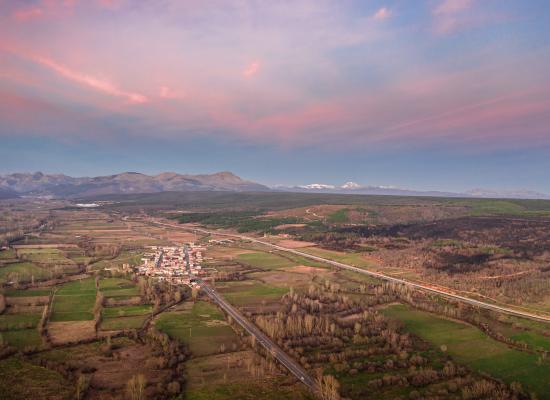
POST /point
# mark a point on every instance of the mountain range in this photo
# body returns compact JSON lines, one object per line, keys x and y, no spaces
{"x":355,"y":188}
{"x":63,"y":186}
{"x":59,"y":185}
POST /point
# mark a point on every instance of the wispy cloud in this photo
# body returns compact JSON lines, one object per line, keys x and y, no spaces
{"x":450,"y":15}
{"x":449,"y":7}
{"x":166,"y":92}
{"x":382,"y":14}
{"x":26,"y":14}
{"x":251,"y":69}
{"x":90,"y":81}
{"x":314,"y":73}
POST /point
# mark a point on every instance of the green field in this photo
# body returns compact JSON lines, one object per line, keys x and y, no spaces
{"x":469,"y":346}
{"x":118,"y":287}
{"x":22,"y":338}
{"x":250,"y":292}
{"x":8,"y":254}
{"x":534,"y":340}
{"x":74,"y":301}
{"x":23,"y":380}
{"x":301,"y":260}
{"x":259,"y":390}
{"x":121,"y":323}
{"x":126,"y":311}
{"x":339,"y":217}
{"x":126,"y":257}
{"x":77,"y":255}
{"x":22,"y":272}
{"x":45,"y":256}
{"x":9,"y":322}
{"x":27,"y":292}
{"x":203,"y":328}
{"x":125,"y":317}
{"x":265,"y":261}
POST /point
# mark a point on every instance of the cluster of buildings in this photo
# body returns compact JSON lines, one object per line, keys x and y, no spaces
{"x":175,"y":264}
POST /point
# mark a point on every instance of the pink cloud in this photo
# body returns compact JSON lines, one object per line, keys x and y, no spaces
{"x":27,"y":14}
{"x":451,"y":15}
{"x":382,"y":14}
{"x":168,"y":93}
{"x":112,"y":4}
{"x":90,"y":81}
{"x":251,"y":69}
{"x":452,"y":7}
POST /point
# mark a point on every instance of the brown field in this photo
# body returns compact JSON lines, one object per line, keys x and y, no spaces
{"x":226,"y":253}
{"x":27,"y":301}
{"x":295,"y":244}
{"x":281,"y":278}
{"x":178,"y":236}
{"x":71,"y":332}
{"x":114,"y":372}
{"x":304,"y":269}
{"x":285,"y":226}
{"x":219,"y":369}
{"x":45,"y":246}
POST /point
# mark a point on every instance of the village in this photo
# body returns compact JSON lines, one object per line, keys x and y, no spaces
{"x":179,"y":265}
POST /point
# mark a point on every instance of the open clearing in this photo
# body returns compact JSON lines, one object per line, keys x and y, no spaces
{"x":44,"y":256}
{"x":118,"y":287}
{"x":226,"y":377}
{"x":295,"y":244}
{"x":464,"y":342}
{"x":265,"y":261}
{"x":22,"y":338}
{"x":306,"y":269}
{"x":203,"y":328}
{"x":71,"y":331}
{"x":74,"y":301}
{"x":125,"y":317}
{"x":250,"y":292}
{"x":108,"y":374}
{"x":283,"y":279}
{"x":22,"y":272}
{"x":27,"y":292}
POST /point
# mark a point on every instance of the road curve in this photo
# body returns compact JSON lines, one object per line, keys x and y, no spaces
{"x":504,"y":310}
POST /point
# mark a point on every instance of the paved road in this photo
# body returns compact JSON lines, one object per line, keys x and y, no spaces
{"x":261,"y":338}
{"x":505,"y":310}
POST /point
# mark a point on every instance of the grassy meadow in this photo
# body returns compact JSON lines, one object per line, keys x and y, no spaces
{"x":22,"y":272}
{"x":74,"y":301}
{"x":202,"y":327}
{"x":463,"y":343}
{"x":125,"y":317}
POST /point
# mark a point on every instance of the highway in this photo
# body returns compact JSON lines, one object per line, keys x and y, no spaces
{"x":450,"y":295}
{"x":261,"y":338}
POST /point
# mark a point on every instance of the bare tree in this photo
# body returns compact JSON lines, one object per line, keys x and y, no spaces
{"x":135,"y":388}
{"x":82,"y":384}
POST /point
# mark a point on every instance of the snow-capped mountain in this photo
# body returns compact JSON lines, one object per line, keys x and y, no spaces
{"x":350,"y":186}
{"x":356,"y":188}
{"x":317,"y":186}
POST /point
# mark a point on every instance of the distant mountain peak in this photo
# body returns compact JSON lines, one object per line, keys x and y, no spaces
{"x":350,"y":185}
{"x":317,"y":186}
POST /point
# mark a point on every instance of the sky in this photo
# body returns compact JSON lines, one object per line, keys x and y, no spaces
{"x":428,"y":94}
